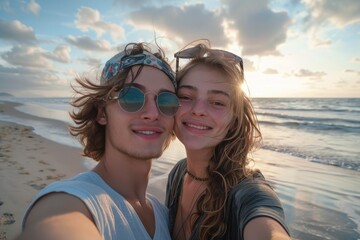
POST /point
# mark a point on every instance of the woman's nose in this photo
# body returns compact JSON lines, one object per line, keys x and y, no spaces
{"x":199,"y":107}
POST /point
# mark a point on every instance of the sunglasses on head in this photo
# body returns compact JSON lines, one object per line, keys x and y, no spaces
{"x":196,"y":51}
{"x":132,"y":99}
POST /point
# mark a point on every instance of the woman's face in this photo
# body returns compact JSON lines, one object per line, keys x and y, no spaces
{"x":205,"y":113}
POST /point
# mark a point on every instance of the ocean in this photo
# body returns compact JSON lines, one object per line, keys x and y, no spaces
{"x":325,"y":131}
{"x":322,"y":130}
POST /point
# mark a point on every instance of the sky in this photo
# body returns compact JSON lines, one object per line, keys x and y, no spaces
{"x":293,"y":48}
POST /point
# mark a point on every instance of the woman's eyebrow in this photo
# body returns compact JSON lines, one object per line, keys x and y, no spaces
{"x":214,"y":91}
{"x":188,"y":87}
{"x":219,"y":92}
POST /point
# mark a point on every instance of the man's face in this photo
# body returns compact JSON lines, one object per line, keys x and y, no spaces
{"x":145,"y":133}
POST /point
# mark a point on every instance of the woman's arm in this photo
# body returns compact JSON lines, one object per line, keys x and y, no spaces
{"x":264,"y":228}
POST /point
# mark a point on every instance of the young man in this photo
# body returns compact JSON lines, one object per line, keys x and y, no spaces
{"x":124,"y":123}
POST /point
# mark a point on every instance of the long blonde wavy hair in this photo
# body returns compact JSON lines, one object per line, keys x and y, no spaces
{"x":228,"y":165}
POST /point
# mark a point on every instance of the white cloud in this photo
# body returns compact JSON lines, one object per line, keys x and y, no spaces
{"x":338,"y":13}
{"x":87,"y":43}
{"x":89,"y":19}
{"x":16,"y":31}
{"x":182,"y":24}
{"x":33,"y":7}
{"x":60,"y":54}
{"x":132,"y":3}
{"x":305,"y":73}
{"x":271,"y":71}
{"x":324,"y":16}
{"x":257,"y":28}
{"x":352,"y":71}
{"x":260,"y":29}
{"x":317,"y":39}
{"x":356,"y":59}
{"x":27,"y":56}
{"x":92,"y":62}
{"x":248,"y":65}
{"x":20,"y":81}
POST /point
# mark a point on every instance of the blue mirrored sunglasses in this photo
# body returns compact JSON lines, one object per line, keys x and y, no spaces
{"x":132,"y":99}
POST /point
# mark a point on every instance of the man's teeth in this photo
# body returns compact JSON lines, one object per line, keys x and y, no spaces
{"x":197,"y":126}
{"x":146,"y":132}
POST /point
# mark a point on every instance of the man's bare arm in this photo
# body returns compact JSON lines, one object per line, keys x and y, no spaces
{"x":59,"y":216}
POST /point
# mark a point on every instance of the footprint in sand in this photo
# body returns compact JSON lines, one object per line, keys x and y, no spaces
{"x":7,"y":219}
{"x":43,"y":162}
{"x":22,"y":171}
{"x":37,"y":186}
{"x":3,"y":236}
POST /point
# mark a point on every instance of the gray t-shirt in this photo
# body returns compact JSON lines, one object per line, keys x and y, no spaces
{"x":249,"y":199}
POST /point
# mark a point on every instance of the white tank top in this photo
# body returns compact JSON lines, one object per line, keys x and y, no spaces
{"x":114,"y":217}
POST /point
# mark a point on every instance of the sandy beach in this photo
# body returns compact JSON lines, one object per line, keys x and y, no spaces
{"x":28,"y":162}
{"x":320,"y":202}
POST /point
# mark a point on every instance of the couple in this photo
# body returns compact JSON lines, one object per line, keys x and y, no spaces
{"x":127,"y":120}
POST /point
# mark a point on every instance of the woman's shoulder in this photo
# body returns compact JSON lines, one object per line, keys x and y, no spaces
{"x":174,"y":182}
{"x":179,"y":167}
{"x":253,"y":197}
{"x":254,"y":185}
{"x":181,"y":164}
{"x":253,"y":194}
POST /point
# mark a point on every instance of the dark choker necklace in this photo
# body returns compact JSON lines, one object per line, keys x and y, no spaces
{"x":197,"y":178}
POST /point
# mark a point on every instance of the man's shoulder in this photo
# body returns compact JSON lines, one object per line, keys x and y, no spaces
{"x":58,"y":212}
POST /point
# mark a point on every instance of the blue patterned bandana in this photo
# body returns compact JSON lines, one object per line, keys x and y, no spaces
{"x":121,"y":61}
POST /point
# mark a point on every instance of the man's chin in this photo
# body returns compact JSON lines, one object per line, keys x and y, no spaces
{"x":147,"y":156}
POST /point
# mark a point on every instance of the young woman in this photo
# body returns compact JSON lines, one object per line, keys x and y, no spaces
{"x":213,"y":193}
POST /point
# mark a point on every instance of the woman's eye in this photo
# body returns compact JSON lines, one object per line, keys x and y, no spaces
{"x":218,"y":104}
{"x":184,"y":98}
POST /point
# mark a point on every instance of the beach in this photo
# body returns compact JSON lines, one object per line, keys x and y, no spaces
{"x":28,"y":162}
{"x":320,"y":201}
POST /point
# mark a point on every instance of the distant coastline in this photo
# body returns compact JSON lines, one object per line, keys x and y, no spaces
{"x":4,"y":94}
